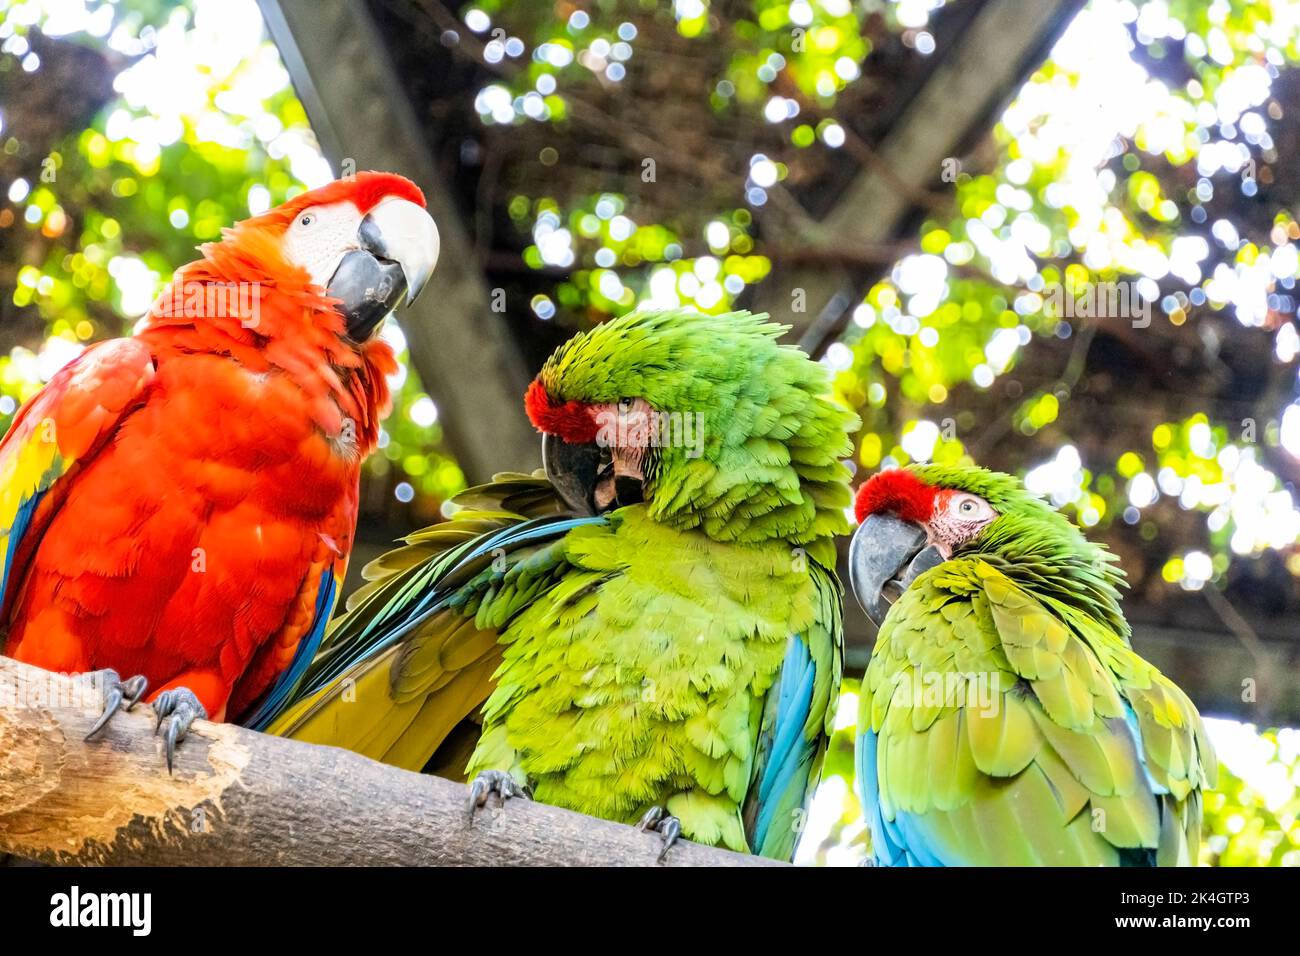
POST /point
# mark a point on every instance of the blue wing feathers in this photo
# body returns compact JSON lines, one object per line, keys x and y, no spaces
{"x":900,"y":842}
{"x":436,"y":588}
{"x":22,"y":521}
{"x":791,"y":750}
{"x":284,"y":685}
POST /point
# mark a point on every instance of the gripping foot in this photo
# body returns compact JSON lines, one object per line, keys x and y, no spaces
{"x":658,"y":820}
{"x":178,"y":708}
{"x":119,"y":695}
{"x":489,"y":782}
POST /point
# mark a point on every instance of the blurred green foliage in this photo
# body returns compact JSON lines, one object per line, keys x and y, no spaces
{"x":1254,"y":819}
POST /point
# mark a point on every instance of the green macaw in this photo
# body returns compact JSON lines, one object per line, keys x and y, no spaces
{"x":649,"y":634}
{"x":1005,"y":720}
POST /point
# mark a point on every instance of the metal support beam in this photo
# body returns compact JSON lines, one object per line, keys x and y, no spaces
{"x":1005,"y":41}
{"x":360,"y":111}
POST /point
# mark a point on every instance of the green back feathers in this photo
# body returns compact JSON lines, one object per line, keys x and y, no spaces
{"x":1036,"y":545}
{"x":756,"y":440}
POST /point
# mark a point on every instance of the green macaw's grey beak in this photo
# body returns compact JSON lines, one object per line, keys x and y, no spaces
{"x":574,"y":470}
{"x":398,"y":248}
{"x":588,"y":476}
{"x":887,"y":554}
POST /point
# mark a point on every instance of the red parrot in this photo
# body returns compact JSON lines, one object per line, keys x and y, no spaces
{"x":180,"y":505}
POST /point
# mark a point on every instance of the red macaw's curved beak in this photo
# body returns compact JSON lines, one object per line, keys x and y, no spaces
{"x":397,"y":249}
{"x":886,"y":555}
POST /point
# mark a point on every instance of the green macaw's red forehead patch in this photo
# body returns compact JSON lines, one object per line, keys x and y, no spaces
{"x":573,"y":420}
{"x":897,"y":492}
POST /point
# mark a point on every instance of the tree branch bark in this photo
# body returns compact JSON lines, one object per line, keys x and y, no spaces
{"x":243,"y":798}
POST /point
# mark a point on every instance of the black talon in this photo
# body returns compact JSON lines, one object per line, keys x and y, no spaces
{"x":179,"y":707}
{"x":488,"y":782}
{"x":658,"y":820}
{"x":119,"y":692}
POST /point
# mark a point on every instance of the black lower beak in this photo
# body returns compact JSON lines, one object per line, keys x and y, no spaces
{"x":574,"y":470}
{"x":886,"y":556}
{"x":368,"y":288}
{"x":587,"y":478}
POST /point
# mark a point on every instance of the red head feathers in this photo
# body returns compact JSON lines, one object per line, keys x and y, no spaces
{"x":264,"y":310}
{"x":573,"y":421}
{"x":364,"y":190}
{"x":898,"y":492}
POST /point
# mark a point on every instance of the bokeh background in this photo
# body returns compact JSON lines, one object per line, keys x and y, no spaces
{"x":904,"y":182}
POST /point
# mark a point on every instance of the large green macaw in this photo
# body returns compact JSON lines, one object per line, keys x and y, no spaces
{"x":649,"y":634}
{"x":1005,"y":720}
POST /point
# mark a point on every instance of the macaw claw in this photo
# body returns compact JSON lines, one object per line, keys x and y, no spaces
{"x":119,"y":695}
{"x":488,"y":782}
{"x":658,"y":820}
{"x":178,"y":708}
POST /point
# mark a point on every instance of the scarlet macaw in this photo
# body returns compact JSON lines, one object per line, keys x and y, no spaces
{"x":180,"y":505}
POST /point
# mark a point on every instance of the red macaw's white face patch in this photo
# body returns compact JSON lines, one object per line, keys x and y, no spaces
{"x":958,"y":517}
{"x":319,"y":236}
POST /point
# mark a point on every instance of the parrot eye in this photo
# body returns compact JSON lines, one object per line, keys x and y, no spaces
{"x":307,"y":220}
{"x":971,"y":508}
{"x":625,"y":404}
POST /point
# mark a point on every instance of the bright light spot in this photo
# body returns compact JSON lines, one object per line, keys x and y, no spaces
{"x":912,"y":13}
{"x":839,"y":356}
{"x":423,"y":411}
{"x":763,"y":172}
{"x":55,"y":354}
{"x":1002,"y":349}
{"x":1061,"y":479}
{"x":611,"y":287}
{"x":779,"y":108}
{"x":1142,"y":490}
{"x":864,"y":316}
{"x":1197,"y":570}
{"x":1290,"y":435}
{"x":1253,"y":758}
{"x":136,"y":283}
{"x":920,"y":440}
{"x":620,"y":228}
{"x":543,"y":307}
{"x":1200,"y":439}
{"x":259,"y":199}
{"x":688,"y":9}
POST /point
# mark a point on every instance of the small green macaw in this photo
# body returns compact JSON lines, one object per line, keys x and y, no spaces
{"x":652,"y":632}
{"x":1004,"y":718}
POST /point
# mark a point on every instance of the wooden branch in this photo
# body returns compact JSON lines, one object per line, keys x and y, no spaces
{"x":243,"y":798}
